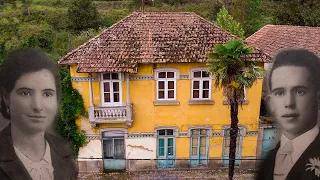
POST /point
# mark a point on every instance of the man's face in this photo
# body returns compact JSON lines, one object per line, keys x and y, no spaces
{"x":293,"y":100}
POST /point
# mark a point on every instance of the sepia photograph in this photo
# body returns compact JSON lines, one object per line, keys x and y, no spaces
{"x":30,"y":100}
{"x":159,"y":89}
{"x":293,"y":101}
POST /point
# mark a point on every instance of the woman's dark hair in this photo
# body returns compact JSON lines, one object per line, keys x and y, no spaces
{"x":298,"y":58}
{"x":20,"y":62}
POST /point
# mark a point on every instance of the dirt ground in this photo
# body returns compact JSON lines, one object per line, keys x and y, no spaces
{"x":169,"y":175}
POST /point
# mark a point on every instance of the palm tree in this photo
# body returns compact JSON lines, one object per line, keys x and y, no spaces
{"x":233,"y":71}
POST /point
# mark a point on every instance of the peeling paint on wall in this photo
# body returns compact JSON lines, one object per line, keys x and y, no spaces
{"x":139,"y":147}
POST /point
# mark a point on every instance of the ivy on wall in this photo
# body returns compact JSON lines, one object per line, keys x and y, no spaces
{"x":71,"y":108}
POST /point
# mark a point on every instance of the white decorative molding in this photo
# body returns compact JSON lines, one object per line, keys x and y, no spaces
{"x":252,"y":133}
{"x":141,"y":77}
{"x":83,"y":79}
{"x":93,"y":136}
{"x":140,"y":135}
{"x":184,"y":76}
{"x":217,"y":134}
{"x":183,"y":134}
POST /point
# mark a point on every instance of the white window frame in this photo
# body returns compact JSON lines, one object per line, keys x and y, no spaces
{"x":111,"y":103}
{"x":244,"y":93}
{"x":201,"y":79}
{"x":166,"y":80}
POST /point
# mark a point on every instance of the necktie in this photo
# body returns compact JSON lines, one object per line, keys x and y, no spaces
{"x":283,"y":162}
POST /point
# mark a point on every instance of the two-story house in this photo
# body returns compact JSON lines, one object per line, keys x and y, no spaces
{"x":151,"y":100}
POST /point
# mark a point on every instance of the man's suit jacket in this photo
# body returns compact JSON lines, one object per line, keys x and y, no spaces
{"x":11,"y":168}
{"x":298,"y":171}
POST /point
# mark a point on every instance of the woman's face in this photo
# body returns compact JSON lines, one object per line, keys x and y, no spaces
{"x":33,"y":101}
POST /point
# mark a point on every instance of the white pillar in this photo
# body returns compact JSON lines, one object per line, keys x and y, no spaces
{"x":128,"y":89}
{"x":129,"y":108}
{"x":91,"y":106}
{"x":90,"y":89}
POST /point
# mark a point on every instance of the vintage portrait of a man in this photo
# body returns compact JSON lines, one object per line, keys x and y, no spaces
{"x":294,"y":91}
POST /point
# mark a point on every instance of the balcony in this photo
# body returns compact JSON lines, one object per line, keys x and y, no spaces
{"x":115,"y":114}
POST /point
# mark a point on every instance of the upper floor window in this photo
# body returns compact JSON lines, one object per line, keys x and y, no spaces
{"x":201,"y":85}
{"x":166,"y":85}
{"x":111,"y":88}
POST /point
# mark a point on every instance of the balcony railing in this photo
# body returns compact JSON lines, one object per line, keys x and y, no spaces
{"x":116,"y":114}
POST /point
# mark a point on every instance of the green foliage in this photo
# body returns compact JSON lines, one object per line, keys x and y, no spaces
{"x":250,"y":14}
{"x":232,"y":70}
{"x":226,"y":21}
{"x":83,"y":15}
{"x":57,"y":19}
{"x":297,"y":12}
{"x":254,"y":18}
{"x":83,"y":37}
{"x":71,"y":108}
{"x":114,"y":16}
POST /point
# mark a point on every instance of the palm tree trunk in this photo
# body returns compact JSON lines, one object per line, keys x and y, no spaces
{"x":233,"y":133}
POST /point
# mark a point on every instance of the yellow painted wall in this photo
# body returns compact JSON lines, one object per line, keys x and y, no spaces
{"x":147,"y":116}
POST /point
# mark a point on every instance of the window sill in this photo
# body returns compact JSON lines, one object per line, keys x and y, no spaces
{"x":166,"y":103}
{"x":207,"y":101}
{"x":226,"y":102}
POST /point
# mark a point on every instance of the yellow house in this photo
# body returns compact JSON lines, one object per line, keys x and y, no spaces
{"x":151,"y":101}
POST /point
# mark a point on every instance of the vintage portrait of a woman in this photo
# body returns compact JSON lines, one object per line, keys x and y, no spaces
{"x":30,"y":98}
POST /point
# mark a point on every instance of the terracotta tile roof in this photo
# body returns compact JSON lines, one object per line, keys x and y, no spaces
{"x":271,"y":38}
{"x":151,"y":37}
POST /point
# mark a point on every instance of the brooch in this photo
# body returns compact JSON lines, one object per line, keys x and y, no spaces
{"x":314,"y":164}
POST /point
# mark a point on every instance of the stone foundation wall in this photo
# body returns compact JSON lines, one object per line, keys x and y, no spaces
{"x":136,"y":165}
{"x":90,"y":166}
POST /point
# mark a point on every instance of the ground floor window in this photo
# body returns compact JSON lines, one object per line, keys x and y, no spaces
{"x":114,"y":148}
{"x":199,"y":147}
{"x":166,"y":148}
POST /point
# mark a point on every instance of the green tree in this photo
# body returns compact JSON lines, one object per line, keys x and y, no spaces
{"x":297,"y":12}
{"x":226,"y":21}
{"x":250,"y":14}
{"x":254,"y":17}
{"x":232,"y":72}
{"x":83,"y":15}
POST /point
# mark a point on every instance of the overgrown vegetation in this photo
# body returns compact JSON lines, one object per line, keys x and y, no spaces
{"x":71,"y":108}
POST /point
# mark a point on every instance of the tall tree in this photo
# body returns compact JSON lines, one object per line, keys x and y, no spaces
{"x":233,"y":71}
{"x":83,"y":15}
{"x":297,"y":12}
{"x":250,"y":14}
{"x":226,"y":21}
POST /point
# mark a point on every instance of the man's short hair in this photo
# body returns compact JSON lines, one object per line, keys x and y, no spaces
{"x":298,"y":58}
